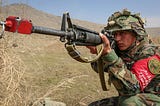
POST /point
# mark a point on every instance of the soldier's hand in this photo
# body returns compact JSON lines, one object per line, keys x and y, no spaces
{"x":106,"y":44}
{"x":92,"y":49}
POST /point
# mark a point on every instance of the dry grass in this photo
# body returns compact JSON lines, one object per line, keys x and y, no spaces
{"x":62,"y":85}
{"x":156,"y":40}
{"x":12,"y":82}
{"x":36,"y":70}
{"x":32,"y":72}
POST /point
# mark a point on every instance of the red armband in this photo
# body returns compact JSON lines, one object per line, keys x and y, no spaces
{"x":145,"y":70}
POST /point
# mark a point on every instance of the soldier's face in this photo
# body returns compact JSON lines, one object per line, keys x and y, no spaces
{"x":124,"y":39}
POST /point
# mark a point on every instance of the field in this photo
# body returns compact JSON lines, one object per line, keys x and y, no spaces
{"x":34,"y":67}
{"x":45,"y":70}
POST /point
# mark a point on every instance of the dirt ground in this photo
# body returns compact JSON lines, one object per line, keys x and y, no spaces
{"x":49,"y":72}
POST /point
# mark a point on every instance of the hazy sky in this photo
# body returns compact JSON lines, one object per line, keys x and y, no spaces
{"x":98,"y":10}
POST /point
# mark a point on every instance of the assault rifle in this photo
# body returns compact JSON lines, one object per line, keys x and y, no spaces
{"x":73,"y":35}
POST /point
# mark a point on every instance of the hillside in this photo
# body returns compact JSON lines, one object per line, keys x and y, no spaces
{"x":154,"y":32}
{"x":41,"y":68}
{"x":41,"y":18}
{"x":48,"y":20}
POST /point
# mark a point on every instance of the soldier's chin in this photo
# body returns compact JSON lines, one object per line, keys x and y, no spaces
{"x":122,"y":48}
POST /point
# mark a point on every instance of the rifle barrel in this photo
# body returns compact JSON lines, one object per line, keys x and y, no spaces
{"x":50,"y":31}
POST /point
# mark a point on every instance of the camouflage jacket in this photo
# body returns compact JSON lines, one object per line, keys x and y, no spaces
{"x":119,"y":65}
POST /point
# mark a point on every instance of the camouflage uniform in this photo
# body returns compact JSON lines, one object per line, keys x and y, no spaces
{"x":134,"y":89}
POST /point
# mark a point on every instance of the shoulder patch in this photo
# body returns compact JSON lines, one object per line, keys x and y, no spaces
{"x":154,"y":66}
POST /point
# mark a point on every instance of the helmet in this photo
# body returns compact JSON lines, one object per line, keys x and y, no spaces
{"x":124,"y":20}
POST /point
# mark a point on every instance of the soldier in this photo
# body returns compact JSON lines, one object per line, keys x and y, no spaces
{"x":133,"y":65}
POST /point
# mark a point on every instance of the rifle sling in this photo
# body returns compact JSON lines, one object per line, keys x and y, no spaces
{"x":101,"y":74}
{"x":75,"y":54}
